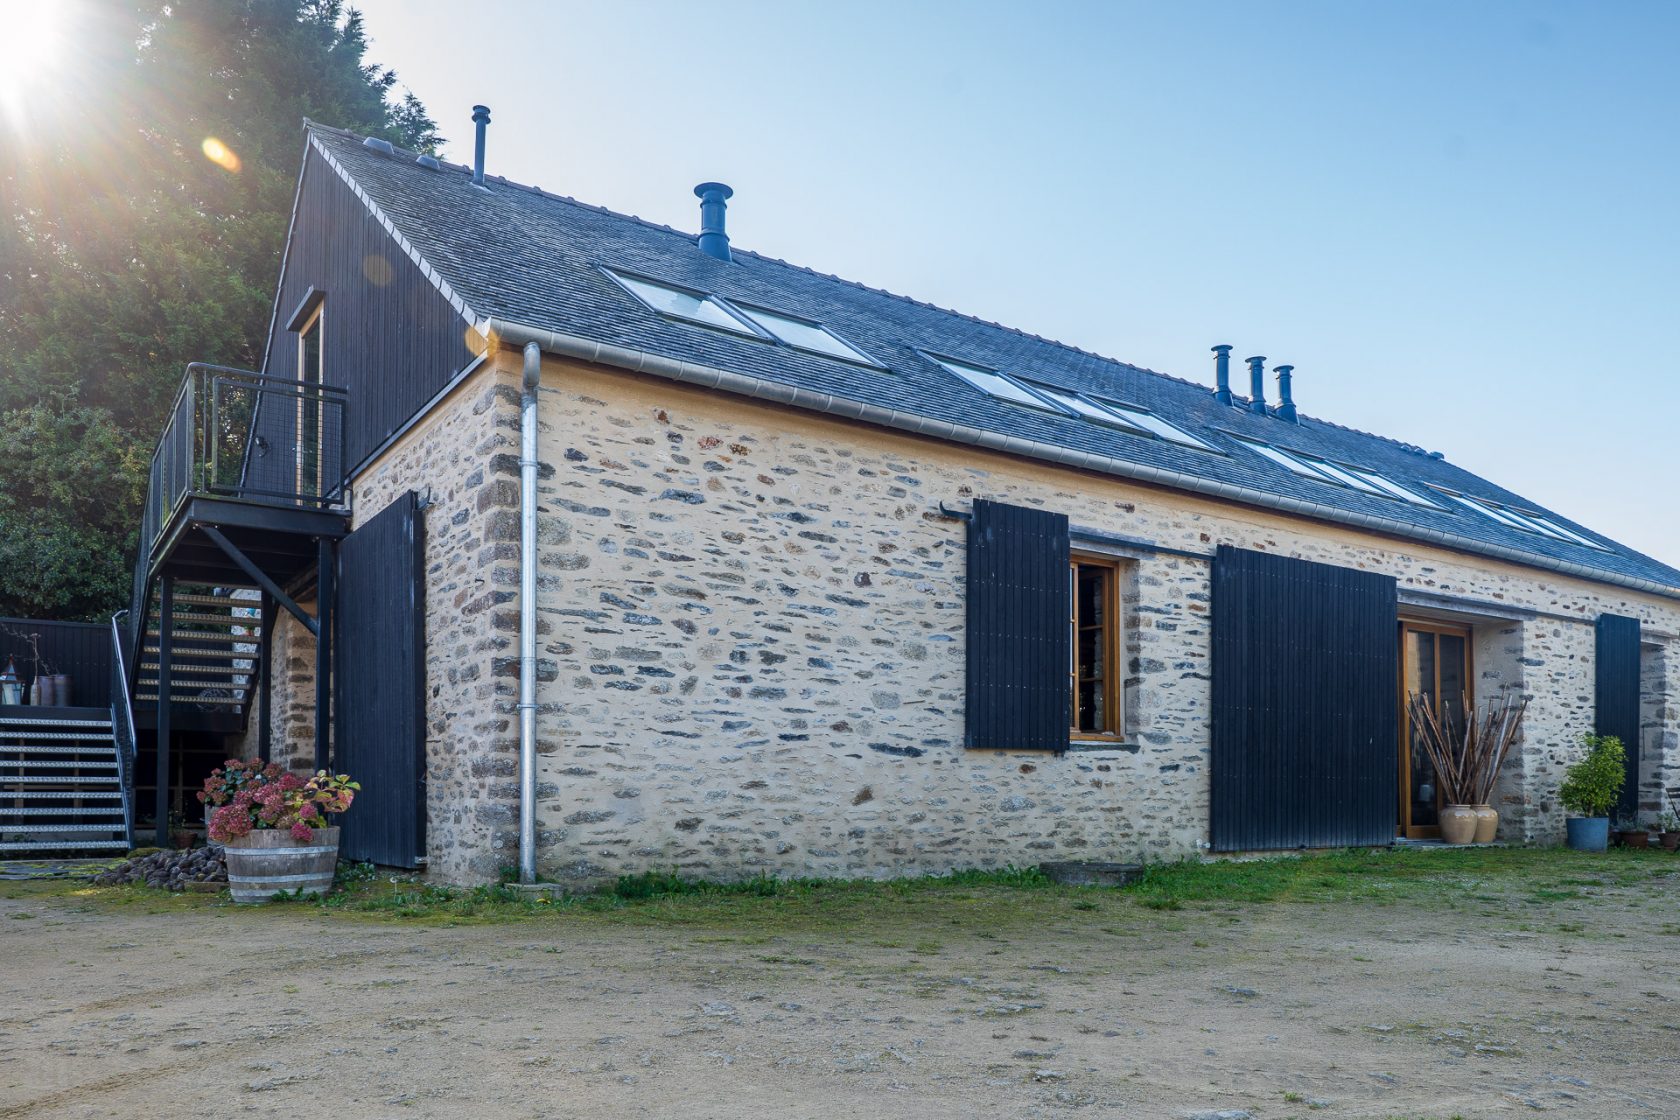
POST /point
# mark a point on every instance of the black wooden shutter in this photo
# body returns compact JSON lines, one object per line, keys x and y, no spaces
{"x":1018,"y":692}
{"x":1305,"y":708}
{"x":1616,"y":702}
{"x":380,"y":736}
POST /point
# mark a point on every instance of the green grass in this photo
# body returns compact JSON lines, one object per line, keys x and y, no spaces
{"x":1002,"y":905}
{"x":1381,"y":876}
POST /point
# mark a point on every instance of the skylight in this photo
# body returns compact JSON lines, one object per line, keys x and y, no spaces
{"x":995,"y":384}
{"x":1075,"y":403}
{"x":806,"y":335}
{"x":1323,"y":470}
{"x":1150,"y":422}
{"x":1520,"y":519}
{"x":683,"y":304}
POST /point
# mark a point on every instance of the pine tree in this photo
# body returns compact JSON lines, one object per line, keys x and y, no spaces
{"x":126,"y":251}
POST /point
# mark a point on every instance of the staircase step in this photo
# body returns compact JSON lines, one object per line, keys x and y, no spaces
{"x":194,"y":670}
{"x":7,"y":723}
{"x":31,"y":750}
{"x":201,"y":636}
{"x":193,"y":699}
{"x":45,"y":779}
{"x":56,"y":764}
{"x":84,"y":811}
{"x":6,"y":737}
{"x":62,"y":795}
{"x":210,"y":600}
{"x":230,"y":619}
{"x":34,"y":828}
{"x":64,"y":845}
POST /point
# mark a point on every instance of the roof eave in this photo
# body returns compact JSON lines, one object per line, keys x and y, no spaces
{"x":690,"y":373}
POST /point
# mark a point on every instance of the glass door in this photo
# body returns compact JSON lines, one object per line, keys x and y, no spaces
{"x":1435,"y":662}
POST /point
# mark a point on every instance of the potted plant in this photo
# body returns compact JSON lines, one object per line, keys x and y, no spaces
{"x":273,"y":824}
{"x":1631,"y":834}
{"x":1467,"y":753}
{"x":1590,"y":787}
{"x":1669,"y":826}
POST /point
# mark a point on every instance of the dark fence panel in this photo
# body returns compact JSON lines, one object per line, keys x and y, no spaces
{"x":1305,"y":709}
{"x":81,"y":650}
{"x":1018,"y":690}
{"x":1616,"y":700}
{"x":380,"y":694}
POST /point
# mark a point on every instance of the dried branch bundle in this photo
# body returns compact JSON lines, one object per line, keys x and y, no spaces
{"x":1469,"y":749}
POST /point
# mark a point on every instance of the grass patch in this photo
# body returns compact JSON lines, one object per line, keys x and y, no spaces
{"x":1386,"y":875}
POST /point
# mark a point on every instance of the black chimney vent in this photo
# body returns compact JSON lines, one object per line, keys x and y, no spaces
{"x":1257,"y":385}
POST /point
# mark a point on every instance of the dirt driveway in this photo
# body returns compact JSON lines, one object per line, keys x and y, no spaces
{"x":1476,"y":998}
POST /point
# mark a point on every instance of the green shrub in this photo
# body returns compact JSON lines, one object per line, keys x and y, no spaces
{"x":1592,"y":785}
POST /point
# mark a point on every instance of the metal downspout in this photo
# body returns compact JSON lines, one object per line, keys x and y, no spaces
{"x":528,"y":614}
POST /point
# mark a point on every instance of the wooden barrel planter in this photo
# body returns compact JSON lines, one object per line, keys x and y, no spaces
{"x":267,"y":861}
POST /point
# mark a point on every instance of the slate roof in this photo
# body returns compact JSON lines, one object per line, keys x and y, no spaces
{"x":518,"y":254}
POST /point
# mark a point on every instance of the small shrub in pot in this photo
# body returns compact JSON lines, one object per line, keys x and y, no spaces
{"x":1590,"y":787}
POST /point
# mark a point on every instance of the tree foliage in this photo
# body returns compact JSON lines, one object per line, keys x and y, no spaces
{"x":126,"y":252}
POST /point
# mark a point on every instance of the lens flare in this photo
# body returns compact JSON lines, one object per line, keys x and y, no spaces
{"x":221,"y":155}
{"x":32,"y":47}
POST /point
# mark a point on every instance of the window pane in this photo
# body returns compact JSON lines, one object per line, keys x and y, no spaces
{"x":1091,"y":641}
{"x":1149,"y":422}
{"x":806,"y":336}
{"x":684,"y":305}
{"x":1346,"y":477}
{"x":1395,"y":489}
{"x":995,"y":385}
{"x":1287,"y":461}
{"x":1079,"y":405}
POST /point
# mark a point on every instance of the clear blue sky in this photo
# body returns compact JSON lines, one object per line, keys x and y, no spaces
{"x":1458,"y":221}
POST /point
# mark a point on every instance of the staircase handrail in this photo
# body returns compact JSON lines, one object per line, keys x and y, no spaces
{"x":122,"y":728}
{"x":207,"y":446}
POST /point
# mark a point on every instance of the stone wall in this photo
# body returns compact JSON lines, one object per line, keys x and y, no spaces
{"x":756,"y":618}
{"x":751,"y":644}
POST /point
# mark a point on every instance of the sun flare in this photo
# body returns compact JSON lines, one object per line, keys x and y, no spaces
{"x":32,"y":44}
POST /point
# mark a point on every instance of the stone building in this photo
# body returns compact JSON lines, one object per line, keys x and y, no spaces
{"x":831,"y":582}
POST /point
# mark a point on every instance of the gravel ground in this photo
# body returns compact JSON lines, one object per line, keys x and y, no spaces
{"x":113,"y":1005}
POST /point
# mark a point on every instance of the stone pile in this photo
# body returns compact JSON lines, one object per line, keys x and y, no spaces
{"x":169,"y":870}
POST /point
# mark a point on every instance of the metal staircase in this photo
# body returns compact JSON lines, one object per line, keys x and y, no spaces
{"x":217,"y":638}
{"x":63,"y":783}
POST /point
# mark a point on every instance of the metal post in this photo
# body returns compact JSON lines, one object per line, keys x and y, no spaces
{"x":326,"y":556}
{"x":166,"y":653}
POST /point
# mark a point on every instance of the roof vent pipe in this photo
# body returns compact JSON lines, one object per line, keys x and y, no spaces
{"x":1257,"y":385}
{"x":713,"y":241}
{"x":1286,"y":394}
{"x":481,"y":121}
{"x":1222,"y":374}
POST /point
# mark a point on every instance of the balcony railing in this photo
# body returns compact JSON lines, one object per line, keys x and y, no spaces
{"x":241,"y":436}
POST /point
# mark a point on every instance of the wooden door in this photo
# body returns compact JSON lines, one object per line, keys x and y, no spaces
{"x":379,"y":708}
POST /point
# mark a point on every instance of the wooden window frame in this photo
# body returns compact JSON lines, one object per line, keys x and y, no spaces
{"x":312,"y":321}
{"x":1112,"y":647}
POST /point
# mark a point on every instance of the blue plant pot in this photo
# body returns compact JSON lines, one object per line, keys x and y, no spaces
{"x":1589,"y":834}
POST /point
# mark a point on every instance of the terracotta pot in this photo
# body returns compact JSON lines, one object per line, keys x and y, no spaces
{"x":1638,"y":838}
{"x":1670,"y":841}
{"x":1458,"y":824}
{"x":1487,"y":823}
{"x":267,"y":861}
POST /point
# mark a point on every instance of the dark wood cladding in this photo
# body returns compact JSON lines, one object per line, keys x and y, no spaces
{"x":1616,"y":695}
{"x":80,"y":650}
{"x":1305,"y":715}
{"x":1018,"y":692}
{"x":391,"y":338}
{"x":379,"y":721}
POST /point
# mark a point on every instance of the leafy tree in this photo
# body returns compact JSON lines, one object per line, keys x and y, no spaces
{"x":126,"y":251}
